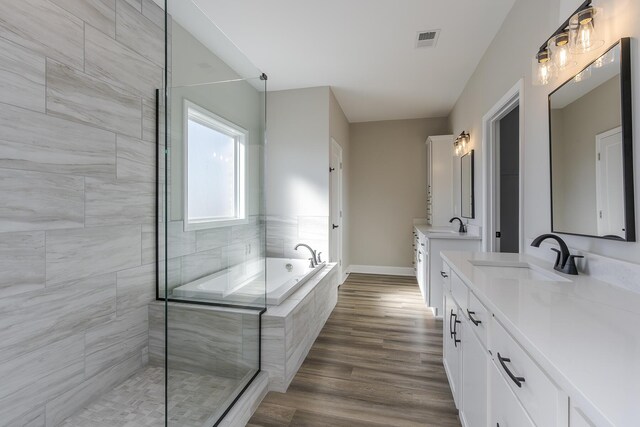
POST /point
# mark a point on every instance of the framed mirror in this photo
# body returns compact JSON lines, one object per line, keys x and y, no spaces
{"x":467,"y":202}
{"x":591,"y":149}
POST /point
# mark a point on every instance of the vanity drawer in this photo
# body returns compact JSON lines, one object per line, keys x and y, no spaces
{"x":460,"y":292}
{"x":479,"y":318}
{"x":541,"y":398}
{"x":445,"y":274}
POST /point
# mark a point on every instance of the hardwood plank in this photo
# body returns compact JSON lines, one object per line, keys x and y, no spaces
{"x":377,"y":361}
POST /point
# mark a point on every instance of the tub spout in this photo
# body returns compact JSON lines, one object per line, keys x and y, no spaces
{"x":314,"y":257}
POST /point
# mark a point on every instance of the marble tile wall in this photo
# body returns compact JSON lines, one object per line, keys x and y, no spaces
{"x":229,"y":350}
{"x":198,"y":253}
{"x":77,"y":180}
{"x":290,"y":329}
{"x":284,"y":233}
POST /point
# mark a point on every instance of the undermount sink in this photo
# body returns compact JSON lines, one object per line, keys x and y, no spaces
{"x":442,"y":232}
{"x":516,"y":270}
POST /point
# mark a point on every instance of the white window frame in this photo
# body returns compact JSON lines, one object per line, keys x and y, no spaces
{"x":241,"y":136}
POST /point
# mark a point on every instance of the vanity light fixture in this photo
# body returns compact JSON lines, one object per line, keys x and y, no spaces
{"x":584,"y":36}
{"x":576,"y":35}
{"x":460,"y":144}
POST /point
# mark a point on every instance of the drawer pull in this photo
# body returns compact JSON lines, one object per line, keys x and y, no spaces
{"x":517,"y":380}
{"x":443,"y":274}
{"x":451,"y":316}
{"x":474,"y":321}
{"x":455,"y":331}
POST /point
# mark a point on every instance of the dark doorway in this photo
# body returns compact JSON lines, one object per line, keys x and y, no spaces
{"x":509,"y":154}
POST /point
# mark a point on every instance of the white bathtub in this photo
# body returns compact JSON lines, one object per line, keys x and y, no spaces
{"x":284,"y":277}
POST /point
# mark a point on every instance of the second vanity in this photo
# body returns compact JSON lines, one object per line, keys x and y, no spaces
{"x":427,"y":243}
{"x":525,"y":345}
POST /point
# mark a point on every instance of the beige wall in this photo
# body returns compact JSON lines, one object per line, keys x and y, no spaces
{"x":508,"y":60}
{"x":387,"y":188}
{"x":339,"y":130}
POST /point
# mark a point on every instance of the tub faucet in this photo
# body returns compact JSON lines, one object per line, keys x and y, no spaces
{"x":314,"y":258}
{"x":565,"y":262}
{"x":462,"y":228}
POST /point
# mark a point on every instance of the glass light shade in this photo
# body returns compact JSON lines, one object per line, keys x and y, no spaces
{"x":607,"y":58}
{"x":544,"y":70}
{"x":584,"y":37}
{"x":583,"y":75}
{"x":560,"y":53}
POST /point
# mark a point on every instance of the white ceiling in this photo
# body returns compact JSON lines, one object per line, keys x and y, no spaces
{"x":365,"y":49}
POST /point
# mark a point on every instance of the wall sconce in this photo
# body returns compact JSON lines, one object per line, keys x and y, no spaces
{"x":461,"y":142}
{"x":575,"y":36}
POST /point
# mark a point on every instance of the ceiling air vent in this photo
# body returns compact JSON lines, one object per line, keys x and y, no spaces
{"x":427,"y":38}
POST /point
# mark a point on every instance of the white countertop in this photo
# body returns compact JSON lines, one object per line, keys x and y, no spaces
{"x":584,"y":333}
{"x":444,"y":233}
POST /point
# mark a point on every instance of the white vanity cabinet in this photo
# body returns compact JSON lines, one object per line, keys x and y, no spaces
{"x":427,"y":245}
{"x":452,"y":346}
{"x":439,"y":179}
{"x":494,"y":380}
{"x":465,"y":357}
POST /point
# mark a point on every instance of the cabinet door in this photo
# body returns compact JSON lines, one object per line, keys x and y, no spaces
{"x":474,"y":378}
{"x":506,"y":410}
{"x":420,"y":267}
{"x":452,"y":346}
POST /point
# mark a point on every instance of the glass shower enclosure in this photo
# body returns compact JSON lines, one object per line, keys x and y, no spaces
{"x":211,"y":236}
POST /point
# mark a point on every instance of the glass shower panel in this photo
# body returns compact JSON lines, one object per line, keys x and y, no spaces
{"x":214,"y":281}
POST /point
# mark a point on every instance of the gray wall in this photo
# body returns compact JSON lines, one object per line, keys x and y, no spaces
{"x":387,"y":181}
{"x":507,"y":60}
{"x":77,"y":184}
{"x":297,"y":178}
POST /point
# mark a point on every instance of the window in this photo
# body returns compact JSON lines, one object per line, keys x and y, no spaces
{"x":215,"y":156}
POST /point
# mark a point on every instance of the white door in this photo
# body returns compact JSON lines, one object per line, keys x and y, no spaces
{"x":335,"y":220}
{"x":610,"y":183}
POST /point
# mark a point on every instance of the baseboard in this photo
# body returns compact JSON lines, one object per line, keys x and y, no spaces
{"x":384,"y":270}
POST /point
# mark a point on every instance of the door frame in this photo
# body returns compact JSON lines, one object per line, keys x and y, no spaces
{"x":490,"y":166}
{"x":599,"y":193}
{"x":336,"y":174}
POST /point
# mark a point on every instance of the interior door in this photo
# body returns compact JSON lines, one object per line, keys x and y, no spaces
{"x":508,"y":200}
{"x":609,"y":184}
{"x":335,"y":226}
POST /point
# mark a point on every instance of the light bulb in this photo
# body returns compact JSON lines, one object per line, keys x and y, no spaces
{"x":559,"y":50}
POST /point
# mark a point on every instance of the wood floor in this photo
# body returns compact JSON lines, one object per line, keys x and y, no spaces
{"x":377,"y":362}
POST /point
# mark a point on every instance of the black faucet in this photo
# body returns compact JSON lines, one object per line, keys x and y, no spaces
{"x":565,"y":262}
{"x":314,"y":258}
{"x":462,"y":228}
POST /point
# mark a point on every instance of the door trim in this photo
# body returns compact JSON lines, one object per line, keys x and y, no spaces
{"x":490,"y":144}
{"x":337,"y":148}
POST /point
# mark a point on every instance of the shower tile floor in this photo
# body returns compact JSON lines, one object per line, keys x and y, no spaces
{"x":139,"y":401}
